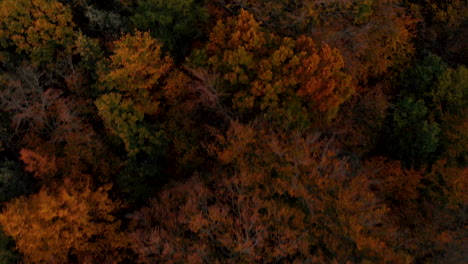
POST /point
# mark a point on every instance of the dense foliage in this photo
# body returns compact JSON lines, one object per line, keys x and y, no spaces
{"x":234,"y":131}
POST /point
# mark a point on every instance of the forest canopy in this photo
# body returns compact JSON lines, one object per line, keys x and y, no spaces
{"x":233,"y":131}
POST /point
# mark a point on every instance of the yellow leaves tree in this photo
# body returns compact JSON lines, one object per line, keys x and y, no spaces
{"x":130,"y":82}
{"x":137,"y":64}
{"x":53,"y":225}
{"x":37,"y":28}
{"x":132,"y":106}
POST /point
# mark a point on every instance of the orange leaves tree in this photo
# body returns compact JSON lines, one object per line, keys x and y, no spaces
{"x":372,"y":36}
{"x":288,"y":80}
{"x":375,"y":37}
{"x":71,"y":221}
{"x":273,"y":198}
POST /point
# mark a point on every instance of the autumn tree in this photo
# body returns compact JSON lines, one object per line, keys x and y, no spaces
{"x":398,"y":187}
{"x":156,"y":110}
{"x":274,"y":198}
{"x":427,"y":207}
{"x":372,"y":36}
{"x":375,"y":40}
{"x":291,"y":81}
{"x":37,"y":29}
{"x":130,"y":82}
{"x":53,"y":225}
{"x":130,"y":105}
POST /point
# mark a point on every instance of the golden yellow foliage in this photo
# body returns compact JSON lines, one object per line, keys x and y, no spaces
{"x":50,"y":226}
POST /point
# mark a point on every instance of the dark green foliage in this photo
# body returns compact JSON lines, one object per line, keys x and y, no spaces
{"x":434,"y":95}
{"x":295,"y":115}
{"x":415,"y":138}
{"x":450,"y":96}
{"x":12,"y":185}
{"x":12,"y":182}
{"x":140,"y":178}
{"x":8,"y":254}
{"x":420,"y":80}
{"x":176,"y":23}
{"x":451,"y":107}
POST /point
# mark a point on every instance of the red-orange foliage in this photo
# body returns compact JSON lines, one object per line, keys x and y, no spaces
{"x":425,"y":208}
{"x":274,"y":198}
{"x":397,"y":186}
{"x":39,"y":165}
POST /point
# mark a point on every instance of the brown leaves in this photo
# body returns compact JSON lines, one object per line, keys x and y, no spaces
{"x":54,"y":135}
{"x":274,"y":197}
{"x":379,"y":41}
